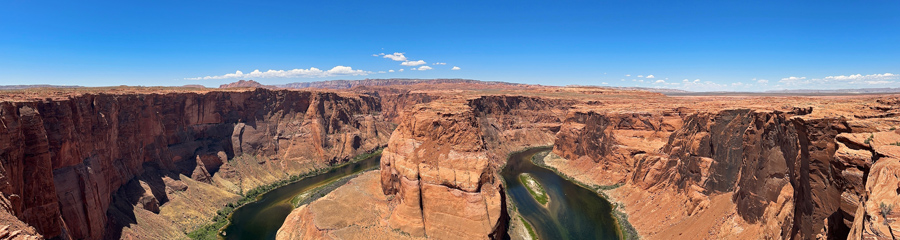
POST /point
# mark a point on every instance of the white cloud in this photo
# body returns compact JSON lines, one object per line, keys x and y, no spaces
{"x":455,"y":68}
{"x":396,"y":57}
{"x":375,"y":55}
{"x":604,"y":83}
{"x":860,"y":77}
{"x":660,"y":81}
{"x":381,"y":72}
{"x":401,"y":70}
{"x":650,"y":76}
{"x":640,"y":76}
{"x":413,"y":63}
{"x":794,"y":80}
{"x":762,"y":81}
{"x":293,"y":73}
{"x":843,"y":80}
{"x":423,"y":68}
{"x":628,"y":75}
{"x":392,"y":70}
{"x":439,"y":63}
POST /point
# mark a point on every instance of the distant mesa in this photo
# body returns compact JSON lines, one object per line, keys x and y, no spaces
{"x":244,"y":84}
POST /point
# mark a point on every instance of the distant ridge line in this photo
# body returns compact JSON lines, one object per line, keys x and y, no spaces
{"x":347,"y":84}
{"x":18,"y":87}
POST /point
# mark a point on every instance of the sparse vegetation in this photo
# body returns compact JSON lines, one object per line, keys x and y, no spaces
{"x":893,"y":128}
{"x":534,"y":187}
{"x":896,"y":144}
{"x":869,"y":140}
{"x":211,"y":231}
{"x":528,"y":227}
{"x":885,"y":210}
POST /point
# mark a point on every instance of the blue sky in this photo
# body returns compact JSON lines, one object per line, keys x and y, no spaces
{"x":693,"y":45}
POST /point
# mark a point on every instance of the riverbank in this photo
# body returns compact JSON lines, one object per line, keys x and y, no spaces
{"x":319,"y":192}
{"x":575,"y":212}
{"x":521,"y":229}
{"x":222,"y":219}
{"x":626,"y":230}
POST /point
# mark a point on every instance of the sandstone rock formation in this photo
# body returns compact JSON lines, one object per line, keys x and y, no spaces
{"x":437,"y":164}
{"x":64,"y":160}
{"x":785,"y":174}
{"x":133,"y":164}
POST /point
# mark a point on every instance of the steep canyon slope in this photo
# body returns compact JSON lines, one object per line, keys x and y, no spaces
{"x":685,"y":168}
{"x":150,"y":165}
{"x":156,"y":163}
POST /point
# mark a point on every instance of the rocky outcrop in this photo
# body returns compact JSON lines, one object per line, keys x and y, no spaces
{"x":63,"y":160}
{"x":440,"y":169}
{"x":793,"y":176}
{"x":718,"y":173}
{"x":437,"y":164}
{"x":609,"y":144}
{"x":872,"y":206}
{"x":395,"y":101}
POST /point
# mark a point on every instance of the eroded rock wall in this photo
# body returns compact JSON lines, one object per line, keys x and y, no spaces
{"x":62,"y":160}
{"x":793,"y":176}
{"x":437,"y":164}
{"x":443,"y":159}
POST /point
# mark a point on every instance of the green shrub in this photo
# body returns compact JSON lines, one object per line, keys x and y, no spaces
{"x":528,"y":227}
{"x":537,"y":191}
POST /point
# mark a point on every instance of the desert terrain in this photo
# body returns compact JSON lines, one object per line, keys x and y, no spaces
{"x":161,"y":163}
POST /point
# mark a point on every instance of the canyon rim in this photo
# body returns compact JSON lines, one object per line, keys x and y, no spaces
{"x":159,"y":163}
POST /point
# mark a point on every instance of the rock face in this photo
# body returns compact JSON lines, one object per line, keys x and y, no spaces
{"x":62,"y":160}
{"x":875,"y":206}
{"x":681,"y":168}
{"x":439,"y":172}
{"x":790,"y":175}
{"x":437,"y":164}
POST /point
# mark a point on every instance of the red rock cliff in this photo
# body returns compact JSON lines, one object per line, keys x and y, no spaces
{"x":62,"y":160}
{"x":784,"y":172}
{"x":437,"y":164}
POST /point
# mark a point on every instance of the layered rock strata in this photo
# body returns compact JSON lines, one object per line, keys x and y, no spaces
{"x":440,"y":168}
{"x":63,"y":161}
{"x":734,"y":173}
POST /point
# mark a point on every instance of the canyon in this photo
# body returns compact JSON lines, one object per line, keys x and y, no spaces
{"x":157,"y":163}
{"x":152,"y":165}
